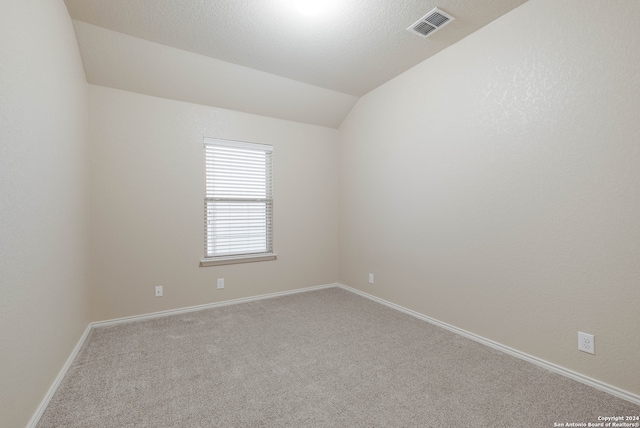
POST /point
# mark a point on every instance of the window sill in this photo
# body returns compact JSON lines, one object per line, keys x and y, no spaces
{"x":217,"y":261}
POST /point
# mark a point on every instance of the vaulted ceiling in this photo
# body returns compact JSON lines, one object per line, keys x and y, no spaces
{"x":264,"y":56}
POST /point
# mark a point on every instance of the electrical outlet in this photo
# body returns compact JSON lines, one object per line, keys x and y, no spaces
{"x":370,"y":278}
{"x":220,"y":283}
{"x":158,"y":290}
{"x":586,"y":343}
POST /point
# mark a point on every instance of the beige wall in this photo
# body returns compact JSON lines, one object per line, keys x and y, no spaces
{"x":495,"y":186}
{"x":146,"y":204}
{"x":43,"y":119}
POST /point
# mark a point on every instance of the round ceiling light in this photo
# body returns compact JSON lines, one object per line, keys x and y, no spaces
{"x":309,"y":7}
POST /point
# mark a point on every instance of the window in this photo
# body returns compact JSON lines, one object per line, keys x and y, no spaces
{"x":238,"y":202}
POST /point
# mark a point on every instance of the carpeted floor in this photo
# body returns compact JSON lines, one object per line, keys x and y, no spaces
{"x":326,"y":358}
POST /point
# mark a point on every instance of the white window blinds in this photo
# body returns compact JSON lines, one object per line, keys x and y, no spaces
{"x":238,"y":202}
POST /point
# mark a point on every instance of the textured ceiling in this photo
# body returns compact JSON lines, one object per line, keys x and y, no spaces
{"x":351,"y":47}
{"x":125,"y":62}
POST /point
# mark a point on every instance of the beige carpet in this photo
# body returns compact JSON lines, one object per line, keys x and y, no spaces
{"x":325,"y":358}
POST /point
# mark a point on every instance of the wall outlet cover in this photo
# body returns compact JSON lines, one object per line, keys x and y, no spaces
{"x":586,"y":343}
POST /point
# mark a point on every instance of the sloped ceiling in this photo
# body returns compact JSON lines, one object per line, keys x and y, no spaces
{"x":220,"y":52}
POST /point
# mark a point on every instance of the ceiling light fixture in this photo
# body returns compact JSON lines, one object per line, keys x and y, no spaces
{"x":309,"y":7}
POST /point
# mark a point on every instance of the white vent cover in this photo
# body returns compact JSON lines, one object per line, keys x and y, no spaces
{"x":430,"y":23}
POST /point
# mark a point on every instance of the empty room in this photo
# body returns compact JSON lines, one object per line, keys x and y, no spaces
{"x":301,"y":213}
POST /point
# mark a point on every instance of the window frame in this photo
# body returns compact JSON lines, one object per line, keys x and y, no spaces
{"x":269,"y":254}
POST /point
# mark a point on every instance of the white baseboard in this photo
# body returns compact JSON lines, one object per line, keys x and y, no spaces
{"x":610,"y":389}
{"x":56,"y":382}
{"x":208,"y":306}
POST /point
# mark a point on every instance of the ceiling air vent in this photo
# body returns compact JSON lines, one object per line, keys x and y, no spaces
{"x":430,"y":23}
